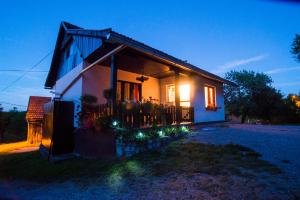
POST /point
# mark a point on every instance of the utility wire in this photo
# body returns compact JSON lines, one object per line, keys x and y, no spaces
{"x":21,"y":70}
{"x":3,"y":102}
{"x":20,"y":77}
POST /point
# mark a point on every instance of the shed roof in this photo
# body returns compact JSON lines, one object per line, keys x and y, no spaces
{"x":35,"y":110}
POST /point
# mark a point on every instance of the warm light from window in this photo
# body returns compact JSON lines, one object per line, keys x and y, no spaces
{"x":184,"y":91}
{"x":210,"y":96}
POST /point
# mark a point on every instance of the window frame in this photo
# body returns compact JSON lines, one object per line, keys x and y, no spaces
{"x":131,"y":90}
{"x":167,"y":93}
{"x":173,"y":102}
{"x":210,"y":107}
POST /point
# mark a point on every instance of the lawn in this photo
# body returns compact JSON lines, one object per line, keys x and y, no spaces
{"x":178,"y":157}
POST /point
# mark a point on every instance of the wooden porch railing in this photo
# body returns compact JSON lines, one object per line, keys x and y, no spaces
{"x":136,"y":116}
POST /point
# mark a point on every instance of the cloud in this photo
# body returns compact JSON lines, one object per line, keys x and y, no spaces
{"x":283,"y":69}
{"x":232,"y":64}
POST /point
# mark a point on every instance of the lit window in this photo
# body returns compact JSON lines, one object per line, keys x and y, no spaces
{"x":184,"y":95}
{"x":210,"y":97}
{"x":184,"y":91}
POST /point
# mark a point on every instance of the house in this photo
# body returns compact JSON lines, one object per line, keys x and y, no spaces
{"x":34,"y":117}
{"x":88,"y":61}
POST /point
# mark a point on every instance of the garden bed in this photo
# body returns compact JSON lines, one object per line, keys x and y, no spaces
{"x":130,"y":142}
{"x":128,"y":149}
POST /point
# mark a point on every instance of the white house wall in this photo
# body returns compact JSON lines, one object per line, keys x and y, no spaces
{"x":74,"y":93}
{"x":201,"y":114}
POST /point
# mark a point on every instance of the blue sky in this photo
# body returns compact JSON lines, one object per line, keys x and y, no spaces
{"x":217,"y":36}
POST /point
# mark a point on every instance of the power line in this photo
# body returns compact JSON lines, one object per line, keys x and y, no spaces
{"x":20,"y":77}
{"x":21,"y":70}
{"x":3,"y":102}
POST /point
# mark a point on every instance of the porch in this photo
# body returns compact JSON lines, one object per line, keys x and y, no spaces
{"x":139,"y":90}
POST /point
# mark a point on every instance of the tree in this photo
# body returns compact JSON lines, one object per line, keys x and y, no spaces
{"x":1,"y":124}
{"x":254,"y":97}
{"x":292,"y":108}
{"x":4,"y":122}
{"x":296,"y":47}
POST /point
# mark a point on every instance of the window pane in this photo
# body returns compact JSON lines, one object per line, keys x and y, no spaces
{"x":206,"y":96}
{"x":184,"y":92}
{"x":126,"y":91}
{"x":119,"y":88}
{"x":210,"y":96}
{"x":171,"y":93}
{"x":136,"y":95}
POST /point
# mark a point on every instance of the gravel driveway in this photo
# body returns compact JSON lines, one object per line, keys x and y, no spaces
{"x":278,"y":144}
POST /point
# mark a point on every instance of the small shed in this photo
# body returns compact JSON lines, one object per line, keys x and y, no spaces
{"x":34,"y":117}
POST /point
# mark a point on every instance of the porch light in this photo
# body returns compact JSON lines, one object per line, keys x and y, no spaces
{"x":142,"y":78}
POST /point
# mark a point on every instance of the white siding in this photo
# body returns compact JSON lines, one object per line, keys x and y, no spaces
{"x":201,"y":114}
{"x":74,"y":93}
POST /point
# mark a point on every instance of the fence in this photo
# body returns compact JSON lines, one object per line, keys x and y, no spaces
{"x":136,"y":115}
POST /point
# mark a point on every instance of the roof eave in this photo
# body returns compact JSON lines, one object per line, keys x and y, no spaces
{"x":115,"y":37}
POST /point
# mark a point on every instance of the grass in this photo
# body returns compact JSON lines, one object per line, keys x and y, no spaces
{"x":178,"y":157}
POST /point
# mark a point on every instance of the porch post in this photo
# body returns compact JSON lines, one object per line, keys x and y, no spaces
{"x":113,"y":84}
{"x":177,"y":98}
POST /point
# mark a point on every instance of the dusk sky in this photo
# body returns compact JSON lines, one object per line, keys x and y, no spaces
{"x":217,"y":36}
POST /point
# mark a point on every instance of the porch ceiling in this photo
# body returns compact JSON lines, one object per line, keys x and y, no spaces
{"x":137,"y":62}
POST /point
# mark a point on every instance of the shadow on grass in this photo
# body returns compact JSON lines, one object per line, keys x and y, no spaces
{"x":178,"y":157}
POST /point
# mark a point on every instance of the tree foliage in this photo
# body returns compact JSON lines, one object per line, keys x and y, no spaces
{"x":13,"y":126}
{"x":1,"y":124}
{"x":255,"y":98}
{"x":296,"y":47}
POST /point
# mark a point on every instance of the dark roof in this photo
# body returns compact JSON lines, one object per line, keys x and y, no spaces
{"x":110,"y":36}
{"x":35,"y":110}
{"x":70,"y":26}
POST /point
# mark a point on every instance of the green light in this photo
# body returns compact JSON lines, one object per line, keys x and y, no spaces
{"x":140,"y":135}
{"x":114,"y":123}
{"x":184,"y":129}
{"x":161,"y":133}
